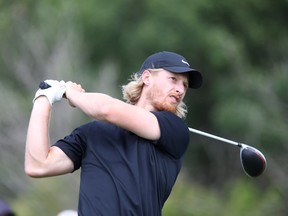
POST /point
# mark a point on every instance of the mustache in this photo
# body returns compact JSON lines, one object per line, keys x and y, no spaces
{"x":176,"y":96}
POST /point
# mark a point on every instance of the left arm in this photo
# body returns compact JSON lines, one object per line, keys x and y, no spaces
{"x":106,"y":108}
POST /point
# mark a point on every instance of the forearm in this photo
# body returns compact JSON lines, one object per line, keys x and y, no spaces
{"x":109,"y":109}
{"x":94,"y":105}
{"x":37,"y":141}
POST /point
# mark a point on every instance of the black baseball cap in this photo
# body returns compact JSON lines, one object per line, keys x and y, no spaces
{"x":174,"y":63}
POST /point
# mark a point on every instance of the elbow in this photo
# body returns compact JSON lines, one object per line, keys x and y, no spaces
{"x":30,"y":172}
{"x":33,"y":172}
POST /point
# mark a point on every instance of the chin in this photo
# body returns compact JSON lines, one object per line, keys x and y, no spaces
{"x":167,"y":107}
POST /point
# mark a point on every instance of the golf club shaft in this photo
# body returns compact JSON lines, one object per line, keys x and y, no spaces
{"x":214,"y":137}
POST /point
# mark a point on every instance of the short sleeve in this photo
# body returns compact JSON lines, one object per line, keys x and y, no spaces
{"x":73,"y":146}
{"x":174,"y":138}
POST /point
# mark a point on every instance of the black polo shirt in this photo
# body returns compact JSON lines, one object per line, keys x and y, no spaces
{"x":121,"y":173}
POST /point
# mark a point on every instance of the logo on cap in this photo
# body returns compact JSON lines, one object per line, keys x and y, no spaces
{"x":185,"y":62}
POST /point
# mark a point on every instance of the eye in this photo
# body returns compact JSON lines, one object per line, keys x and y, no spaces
{"x":173,"y":78}
{"x":185,"y":85}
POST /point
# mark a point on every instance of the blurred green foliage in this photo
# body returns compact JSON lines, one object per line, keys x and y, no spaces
{"x":237,"y":198}
{"x":240,"y":47}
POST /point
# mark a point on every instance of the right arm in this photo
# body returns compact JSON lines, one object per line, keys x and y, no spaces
{"x":41,"y":160}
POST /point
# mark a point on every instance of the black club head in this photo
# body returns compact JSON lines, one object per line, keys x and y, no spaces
{"x":252,"y":160}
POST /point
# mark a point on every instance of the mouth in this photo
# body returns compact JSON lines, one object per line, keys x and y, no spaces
{"x":174,"y":99}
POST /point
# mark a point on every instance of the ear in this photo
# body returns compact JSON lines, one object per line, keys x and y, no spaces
{"x":146,"y":76}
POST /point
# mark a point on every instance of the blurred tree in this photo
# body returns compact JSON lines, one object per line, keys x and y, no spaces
{"x":240,"y":47}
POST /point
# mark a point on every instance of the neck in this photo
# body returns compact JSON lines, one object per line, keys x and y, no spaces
{"x":145,"y":104}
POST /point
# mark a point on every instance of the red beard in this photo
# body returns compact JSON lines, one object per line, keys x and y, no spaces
{"x":165,"y":106}
{"x":159,"y":102}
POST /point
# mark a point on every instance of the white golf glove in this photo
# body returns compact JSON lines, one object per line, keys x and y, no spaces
{"x":54,"y":93}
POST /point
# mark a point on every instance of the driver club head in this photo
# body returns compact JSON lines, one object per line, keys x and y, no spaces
{"x":252,"y":160}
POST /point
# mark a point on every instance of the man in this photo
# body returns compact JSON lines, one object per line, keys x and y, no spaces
{"x":131,"y":153}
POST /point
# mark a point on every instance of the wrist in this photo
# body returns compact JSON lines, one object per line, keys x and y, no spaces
{"x":41,"y":110}
{"x":72,"y":97}
{"x":42,"y":101}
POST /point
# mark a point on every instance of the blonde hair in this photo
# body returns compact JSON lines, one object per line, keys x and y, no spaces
{"x":133,"y":89}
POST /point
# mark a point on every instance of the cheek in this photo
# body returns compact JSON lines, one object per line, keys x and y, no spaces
{"x":155,"y":95}
{"x":163,"y":89}
{"x":156,"y":90}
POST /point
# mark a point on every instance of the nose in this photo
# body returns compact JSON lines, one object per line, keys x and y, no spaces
{"x":180,"y":89}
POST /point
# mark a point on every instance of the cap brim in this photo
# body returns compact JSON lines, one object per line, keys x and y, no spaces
{"x":195,"y":77}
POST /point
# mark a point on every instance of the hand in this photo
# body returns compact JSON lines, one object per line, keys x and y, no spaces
{"x":71,"y":90}
{"x":54,"y":93}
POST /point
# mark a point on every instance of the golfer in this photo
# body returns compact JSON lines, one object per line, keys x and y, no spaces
{"x":131,"y":152}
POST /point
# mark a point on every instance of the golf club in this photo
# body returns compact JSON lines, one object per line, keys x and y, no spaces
{"x":252,"y":160}
{"x":43,"y":85}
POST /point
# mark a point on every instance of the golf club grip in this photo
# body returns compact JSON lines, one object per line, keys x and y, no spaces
{"x":44,"y":85}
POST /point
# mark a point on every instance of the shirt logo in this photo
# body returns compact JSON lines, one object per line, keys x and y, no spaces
{"x":185,"y":62}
